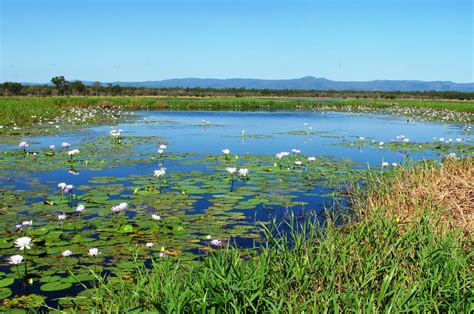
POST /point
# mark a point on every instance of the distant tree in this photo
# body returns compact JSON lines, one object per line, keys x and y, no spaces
{"x":60,"y":83}
{"x":96,"y":87}
{"x":12,"y":88}
{"x":116,"y":89}
{"x":77,"y":87}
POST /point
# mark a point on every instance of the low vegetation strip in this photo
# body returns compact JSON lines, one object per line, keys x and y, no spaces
{"x":26,"y":111}
{"x":377,"y":262}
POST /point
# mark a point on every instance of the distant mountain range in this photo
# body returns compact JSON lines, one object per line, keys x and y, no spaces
{"x":305,"y":83}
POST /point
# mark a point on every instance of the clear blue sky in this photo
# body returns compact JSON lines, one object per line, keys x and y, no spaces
{"x":139,"y":40}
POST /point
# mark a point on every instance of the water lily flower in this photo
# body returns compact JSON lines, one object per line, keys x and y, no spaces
{"x":159,"y":173}
{"x":216,"y":242}
{"x":23,"y":145}
{"x":74,"y":172}
{"x":23,"y":243}
{"x":120,"y":207}
{"x":73,"y":152}
{"x":62,"y":217}
{"x":458,"y":140}
{"x":15,"y":259}
{"x":361,"y":138}
{"x":52,"y":147}
{"x":163,"y":146}
{"x":160,"y":151}
{"x":394,"y":164}
{"x":68,"y":188}
{"x":94,"y":252}
{"x":67,"y":253}
{"x":27,"y":223}
{"x":226,"y":151}
{"x":243,"y":172}
{"x":311,"y":159}
{"x":441,"y":139}
{"x":65,"y":145}
{"x":231,"y":170}
{"x":80,"y":208}
{"x":295,"y":151}
{"x":381,"y":143}
{"x":282,"y":154}
{"x":384,"y":164}
{"x":150,"y":244}
{"x":163,"y":254}
{"x":156,"y":217}
{"x":298,"y":163}
{"x":208,"y":237}
{"x":406,"y":140}
{"x":62,"y":185}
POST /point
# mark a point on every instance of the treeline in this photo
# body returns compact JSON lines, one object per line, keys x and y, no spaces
{"x":62,"y":87}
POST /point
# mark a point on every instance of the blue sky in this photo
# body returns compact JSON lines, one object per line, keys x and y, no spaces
{"x":138,"y":40}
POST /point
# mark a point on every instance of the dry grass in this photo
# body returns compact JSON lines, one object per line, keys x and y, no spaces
{"x":447,"y":187}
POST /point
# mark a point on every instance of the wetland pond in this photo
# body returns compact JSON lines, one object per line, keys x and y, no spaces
{"x":182,"y":184}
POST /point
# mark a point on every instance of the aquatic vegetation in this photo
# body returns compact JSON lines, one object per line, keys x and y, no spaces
{"x":119,"y":206}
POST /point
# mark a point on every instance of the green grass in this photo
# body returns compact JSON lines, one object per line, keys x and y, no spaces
{"x":367,"y":267}
{"x":373,"y":263}
{"x":28,"y":110}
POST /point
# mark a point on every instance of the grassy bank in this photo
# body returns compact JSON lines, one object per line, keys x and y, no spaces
{"x":30,"y":110}
{"x":379,"y":261}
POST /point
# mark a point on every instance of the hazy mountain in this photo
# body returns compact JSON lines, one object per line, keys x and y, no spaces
{"x":306,"y":83}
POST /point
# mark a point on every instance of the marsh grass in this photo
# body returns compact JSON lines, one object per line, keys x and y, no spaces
{"x":446,"y":188}
{"x":28,"y":110}
{"x":370,"y":264}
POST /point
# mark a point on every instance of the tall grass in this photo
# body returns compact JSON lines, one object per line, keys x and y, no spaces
{"x":373,"y":263}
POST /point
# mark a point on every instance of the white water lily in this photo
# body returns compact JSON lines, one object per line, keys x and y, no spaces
{"x":27,"y":223}
{"x":156,"y":217}
{"x":80,"y":208}
{"x":163,"y":146}
{"x":65,"y":145}
{"x":385,"y":164}
{"x":94,"y":252}
{"x":62,"y":185}
{"x":23,"y":243}
{"x":23,"y":145}
{"x":226,"y":151}
{"x":295,"y":151}
{"x":160,"y":151}
{"x":15,"y":259}
{"x":120,"y":207}
{"x":67,"y":253}
{"x":298,"y":163}
{"x":159,"y":173}
{"x":52,"y":147}
{"x":394,"y":164}
{"x":150,"y":244}
{"x":282,"y":154}
{"x":311,"y":159}
{"x":231,"y":170}
{"x":243,"y":172}
{"x":73,"y":152}
{"x":62,"y":217}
